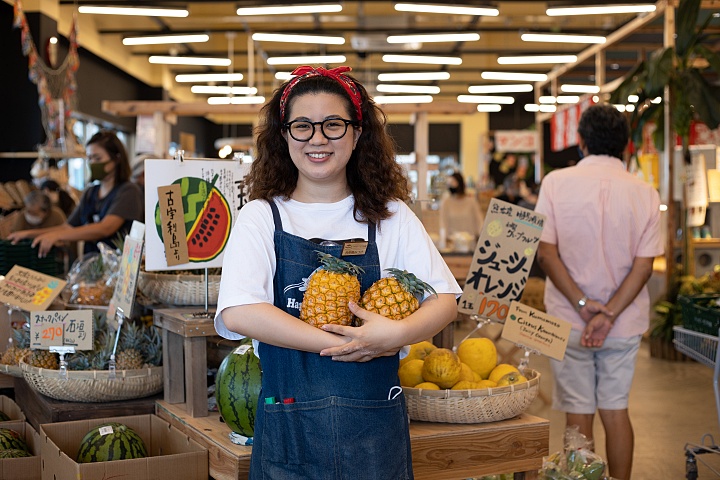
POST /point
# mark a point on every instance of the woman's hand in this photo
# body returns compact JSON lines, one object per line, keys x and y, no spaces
{"x":15,"y":237}
{"x":373,"y":339}
{"x":45,"y":242}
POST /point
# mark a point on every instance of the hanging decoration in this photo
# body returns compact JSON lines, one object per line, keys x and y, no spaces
{"x":57,"y":87}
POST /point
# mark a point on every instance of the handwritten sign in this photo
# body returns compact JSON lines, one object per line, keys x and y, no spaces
{"x":172,"y":221}
{"x":501,"y":261}
{"x":536,"y":330}
{"x":62,"y":328}
{"x":29,"y":290}
{"x":126,"y":286}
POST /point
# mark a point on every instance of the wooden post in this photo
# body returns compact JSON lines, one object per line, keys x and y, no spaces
{"x":669,"y":147}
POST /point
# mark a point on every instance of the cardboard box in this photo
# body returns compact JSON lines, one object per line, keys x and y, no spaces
{"x":11,"y":409}
{"x":27,"y":468}
{"x":172,"y":454}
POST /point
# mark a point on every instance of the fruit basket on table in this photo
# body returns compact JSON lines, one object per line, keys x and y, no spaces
{"x":179,"y":289}
{"x":472,"y":405}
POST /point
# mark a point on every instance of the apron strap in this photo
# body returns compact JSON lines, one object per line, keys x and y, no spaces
{"x":276,"y":216}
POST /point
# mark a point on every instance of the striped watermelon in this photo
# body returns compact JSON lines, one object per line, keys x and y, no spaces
{"x":111,"y":441}
{"x":10,"y":440}
{"x":14,"y":453}
{"x":237,"y":388}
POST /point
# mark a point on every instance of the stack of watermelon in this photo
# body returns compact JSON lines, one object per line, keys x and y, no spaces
{"x":111,"y":441}
{"x":12,"y":444}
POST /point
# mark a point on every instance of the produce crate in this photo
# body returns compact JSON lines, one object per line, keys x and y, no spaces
{"x":698,"y":317}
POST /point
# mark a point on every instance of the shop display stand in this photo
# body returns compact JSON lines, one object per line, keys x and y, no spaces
{"x":705,"y":349}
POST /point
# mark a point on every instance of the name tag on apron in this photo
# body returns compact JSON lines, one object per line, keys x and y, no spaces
{"x":354,"y":247}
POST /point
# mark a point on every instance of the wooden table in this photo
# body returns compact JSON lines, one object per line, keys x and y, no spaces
{"x":440,"y":451}
{"x":185,"y":356}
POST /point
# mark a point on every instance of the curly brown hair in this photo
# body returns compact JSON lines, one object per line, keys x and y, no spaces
{"x":373,"y":175}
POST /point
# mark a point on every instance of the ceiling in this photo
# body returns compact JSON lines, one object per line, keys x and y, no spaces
{"x":364,"y":26}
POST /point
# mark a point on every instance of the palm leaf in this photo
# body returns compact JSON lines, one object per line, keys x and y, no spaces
{"x":686,"y":21}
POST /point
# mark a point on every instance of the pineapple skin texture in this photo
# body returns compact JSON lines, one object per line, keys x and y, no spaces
{"x":326,"y":298}
{"x":388,"y":298}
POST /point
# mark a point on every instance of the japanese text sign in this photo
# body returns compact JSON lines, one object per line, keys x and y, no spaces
{"x":501,"y":261}
{"x":126,"y":285}
{"x":29,"y":290}
{"x":62,"y":328}
{"x":536,"y":330}
{"x":172,"y":221}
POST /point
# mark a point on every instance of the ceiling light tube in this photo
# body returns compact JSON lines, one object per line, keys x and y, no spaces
{"x":208,"y":77}
{"x":518,"y":88}
{"x":546,"y":99}
{"x":163,"y":39}
{"x":536,"y":59}
{"x":567,"y":99}
{"x":485,"y":99}
{"x":140,"y":11}
{"x":394,"y":88}
{"x":283,"y":76}
{"x":532,"y":107}
{"x":434,"y":37}
{"x":223,"y":90}
{"x":235,"y":100}
{"x":633,"y":98}
{"x":425,"y":59}
{"x":599,"y":10}
{"x":308,"y":60}
{"x":561,"y":38}
{"x":488,"y":107}
{"x":405,"y":77}
{"x":548,"y":108}
{"x":385,"y":99}
{"x":570,"y":88}
{"x":170,"y":60}
{"x":290,"y":38}
{"x":290,"y":9}
{"x":511,"y":76}
{"x":447,"y":9}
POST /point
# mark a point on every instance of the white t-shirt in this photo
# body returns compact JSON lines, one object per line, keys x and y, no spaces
{"x":249,"y":261}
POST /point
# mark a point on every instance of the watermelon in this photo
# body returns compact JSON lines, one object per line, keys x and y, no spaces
{"x":237,"y":388}
{"x":14,"y":453}
{"x":10,"y":439}
{"x":111,"y":441}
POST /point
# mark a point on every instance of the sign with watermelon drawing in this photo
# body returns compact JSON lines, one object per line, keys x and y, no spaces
{"x":212,"y":193}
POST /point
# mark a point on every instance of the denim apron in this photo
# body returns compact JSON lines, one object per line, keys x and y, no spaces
{"x":348,"y":420}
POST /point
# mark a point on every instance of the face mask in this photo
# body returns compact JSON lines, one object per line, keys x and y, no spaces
{"x":581,"y":153}
{"x":32,"y":219}
{"x":97,"y":171}
{"x":453,"y":190}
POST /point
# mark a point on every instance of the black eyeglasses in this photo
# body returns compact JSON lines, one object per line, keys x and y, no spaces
{"x":332,"y":129}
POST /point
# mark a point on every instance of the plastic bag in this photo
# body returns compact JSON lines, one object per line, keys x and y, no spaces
{"x":576,"y":462}
{"x":91,"y":279}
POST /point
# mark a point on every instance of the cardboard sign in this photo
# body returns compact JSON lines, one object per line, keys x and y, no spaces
{"x":126,"y":286}
{"x":172,"y":224}
{"x":536,"y":330}
{"x":62,"y":328}
{"x":29,"y":290}
{"x":501,"y":261}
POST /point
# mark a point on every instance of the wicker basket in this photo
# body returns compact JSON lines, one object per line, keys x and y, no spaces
{"x":179,"y":289}
{"x":472,"y":406}
{"x":94,"y":385}
{"x":12,"y":370}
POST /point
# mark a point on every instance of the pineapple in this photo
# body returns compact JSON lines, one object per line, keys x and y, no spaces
{"x":396,"y":296}
{"x":329,"y":290}
{"x":19,"y":348}
{"x":44,"y":359}
{"x":152,"y":346}
{"x":129,"y":355}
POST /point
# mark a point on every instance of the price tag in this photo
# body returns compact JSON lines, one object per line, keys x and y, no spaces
{"x":58,"y":328}
{"x":126,"y":286}
{"x":501,"y":261}
{"x":536,"y":330}
{"x":29,"y":290}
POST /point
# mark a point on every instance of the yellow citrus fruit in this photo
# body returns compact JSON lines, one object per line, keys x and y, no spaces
{"x":487,"y":384}
{"x":466,"y":373}
{"x":411,"y":373}
{"x":427,"y":386}
{"x":418,"y":351}
{"x":464,"y":385}
{"x":442,"y":367}
{"x":511,"y":378}
{"x":476,"y":377}
{"x":480,"y":354}
{"x":500,"y":371}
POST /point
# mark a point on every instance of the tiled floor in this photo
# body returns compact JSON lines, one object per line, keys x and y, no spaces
{"x":671,"y":404}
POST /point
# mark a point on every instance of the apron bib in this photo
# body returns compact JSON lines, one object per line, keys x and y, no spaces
{"x":348,"y":420}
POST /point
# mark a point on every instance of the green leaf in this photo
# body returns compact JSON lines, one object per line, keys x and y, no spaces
{"x":712,"y":57}
{"x":686,"y":21}
{"x":632,"y":84}
{"x":659,"y":71}
{"x":704,"y":98}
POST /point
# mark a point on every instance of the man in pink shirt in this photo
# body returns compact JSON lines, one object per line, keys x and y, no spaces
{"x":597,"y":249}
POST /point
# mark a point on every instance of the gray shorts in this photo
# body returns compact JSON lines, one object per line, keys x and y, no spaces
{"x":591,"y":378}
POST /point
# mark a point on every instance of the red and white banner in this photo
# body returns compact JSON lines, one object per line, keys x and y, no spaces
{"x":564,"y":124}
{"x":516,"y":141}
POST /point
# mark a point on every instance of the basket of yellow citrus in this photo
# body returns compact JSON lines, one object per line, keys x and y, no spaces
{"x":464,"y":387}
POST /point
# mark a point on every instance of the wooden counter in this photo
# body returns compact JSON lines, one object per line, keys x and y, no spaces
{"x":440,"y":451}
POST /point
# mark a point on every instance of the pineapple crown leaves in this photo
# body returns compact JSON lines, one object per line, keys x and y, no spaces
{"x":410,"y":282}
{"x":338,"y":265}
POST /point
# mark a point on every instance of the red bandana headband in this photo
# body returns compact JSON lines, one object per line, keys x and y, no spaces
{"x":335,"y":73}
